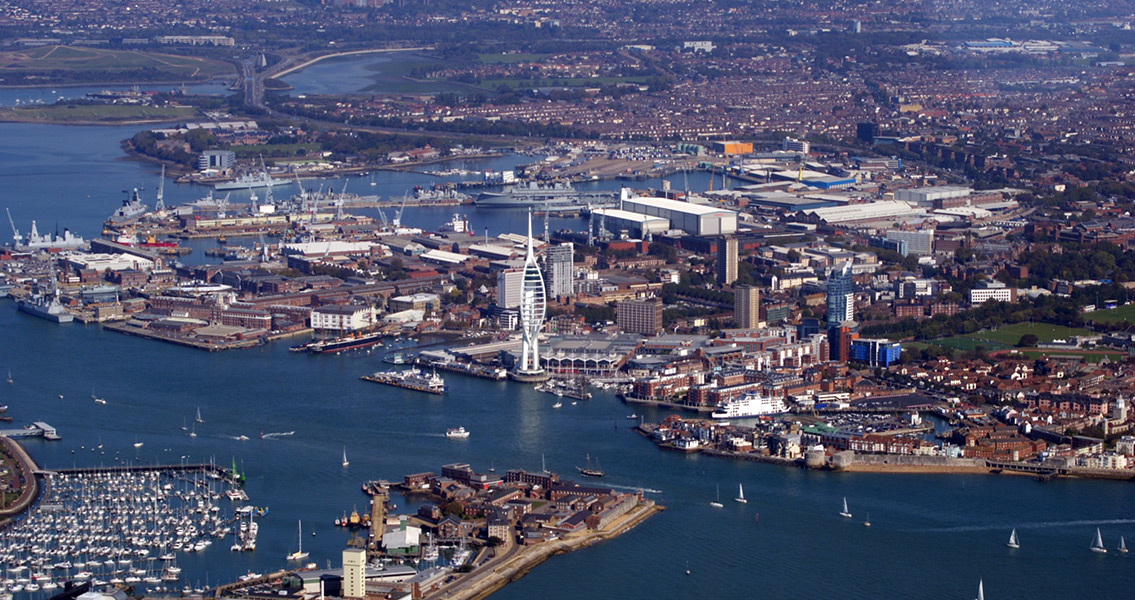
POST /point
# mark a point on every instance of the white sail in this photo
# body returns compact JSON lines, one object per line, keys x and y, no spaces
{"x":741,"y":494}
{"x":980,"y":590}
{"x":345,"y":463}
{"x":1122,"y":545}
{"x":1097,"y":544}
{"x":1013,"y":542}
{"x":845,"y":513}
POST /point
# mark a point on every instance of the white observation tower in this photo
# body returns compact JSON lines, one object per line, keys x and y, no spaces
{"x":533,"y":304}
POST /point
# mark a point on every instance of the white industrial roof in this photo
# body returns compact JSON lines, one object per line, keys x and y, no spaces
{"x":677,"y":205}
{"x":627,"y":215}
{"x":445,"y":257}
{"x":861,"y":212}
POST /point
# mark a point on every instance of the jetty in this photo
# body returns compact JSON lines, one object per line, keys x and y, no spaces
{"x":37,"y":429}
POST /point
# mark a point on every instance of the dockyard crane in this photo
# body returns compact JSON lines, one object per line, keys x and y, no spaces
{"x":16,"y":239}
{"x":398,"y":215}
{"x":160,"y":205}
{"x":382,"y":216}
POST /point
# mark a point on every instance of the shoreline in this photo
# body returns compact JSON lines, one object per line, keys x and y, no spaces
{"x":530,"y":557}
{"x":9,"y":86}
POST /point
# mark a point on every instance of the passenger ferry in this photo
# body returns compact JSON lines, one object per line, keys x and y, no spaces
{"x":751,"y":404}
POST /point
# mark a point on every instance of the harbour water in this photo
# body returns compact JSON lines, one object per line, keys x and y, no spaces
{"x":932,"y":536}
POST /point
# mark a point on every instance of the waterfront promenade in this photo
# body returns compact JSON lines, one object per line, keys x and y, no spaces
{"x":24,"y":474}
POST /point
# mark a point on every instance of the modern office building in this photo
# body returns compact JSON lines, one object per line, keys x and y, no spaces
{"x":875,"y":352}
{"x":841,"y":295}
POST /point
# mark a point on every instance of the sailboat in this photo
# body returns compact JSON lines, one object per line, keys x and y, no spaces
{"x":980,"y":590}
{"x":1122,"y":546}
{"x":199,"y":419}
{"x":588,"y":471}
{"x":843,"y":513}
{"x":193,"y":431}
{"x":1097,"y":544}
{"x":1013,"y":541}
{"x":717,"y":503}
{"x":96,"y":398}
{"x":10,"y":376}
{"x":741,"y":494}
{"x":299,"y":554}
{"x":867,"y":521}
{"x":345,"y":462}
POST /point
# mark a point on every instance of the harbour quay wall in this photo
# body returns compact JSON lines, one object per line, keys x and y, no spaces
{"x":901,"y":462}
{"x":25,"y":471}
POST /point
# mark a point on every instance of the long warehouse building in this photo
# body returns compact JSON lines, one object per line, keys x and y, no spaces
{"x":694,"y":219}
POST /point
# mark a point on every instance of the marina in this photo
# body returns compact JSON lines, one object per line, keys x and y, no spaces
{"x":114,"y":526}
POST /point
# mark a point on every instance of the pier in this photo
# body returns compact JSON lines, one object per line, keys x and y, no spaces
{"x":37,"y":429}
{"x":472,"y":370}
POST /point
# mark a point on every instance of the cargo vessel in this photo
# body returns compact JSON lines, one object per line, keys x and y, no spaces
{"x":411,"y":379}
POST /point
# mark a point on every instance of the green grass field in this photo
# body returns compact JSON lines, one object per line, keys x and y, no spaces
{"x":1005,"y":336}
{"x":100,"y":113}
{"x":1090,"y":357}
{"x":107,"y":62}
{"x":1112,"y":315}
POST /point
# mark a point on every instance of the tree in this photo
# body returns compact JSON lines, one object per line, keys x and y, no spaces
{"x":1027,"y":340}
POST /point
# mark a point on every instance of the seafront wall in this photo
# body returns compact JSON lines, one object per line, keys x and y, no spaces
{"x":529,"y":557}
{"x":902,"y":463}
{"x":26,"y":468}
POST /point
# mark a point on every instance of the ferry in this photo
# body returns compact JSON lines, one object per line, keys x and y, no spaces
{"x":751,"y":404}
{"x":411,"y":379}
{"x":458,"y":432}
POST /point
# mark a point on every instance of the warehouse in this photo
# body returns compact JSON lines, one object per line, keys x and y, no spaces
{"x":694,"y":219}
{"x":636,"y":225}
{"x":926,"y":196}
{"x":860,"y":213}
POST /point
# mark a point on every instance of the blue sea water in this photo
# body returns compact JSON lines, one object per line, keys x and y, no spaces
{"x":932,"y":536}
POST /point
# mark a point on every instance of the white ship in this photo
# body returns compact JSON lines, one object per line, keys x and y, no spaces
{"x":66,"y":241}
{"x":551,"y":196}
{"x":259,"y":179}
{"x":45,"y":307}
{"x":132,"y":209}
{"x":458,"y":224}
{"x":751,"y":404}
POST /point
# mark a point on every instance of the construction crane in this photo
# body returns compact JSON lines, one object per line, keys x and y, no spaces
{"x":16,"y":239}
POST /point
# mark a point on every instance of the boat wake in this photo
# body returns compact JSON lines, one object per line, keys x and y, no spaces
{"x":631,"y":488}
{"x":1040,"y":525}
{"x":279,"y":434}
